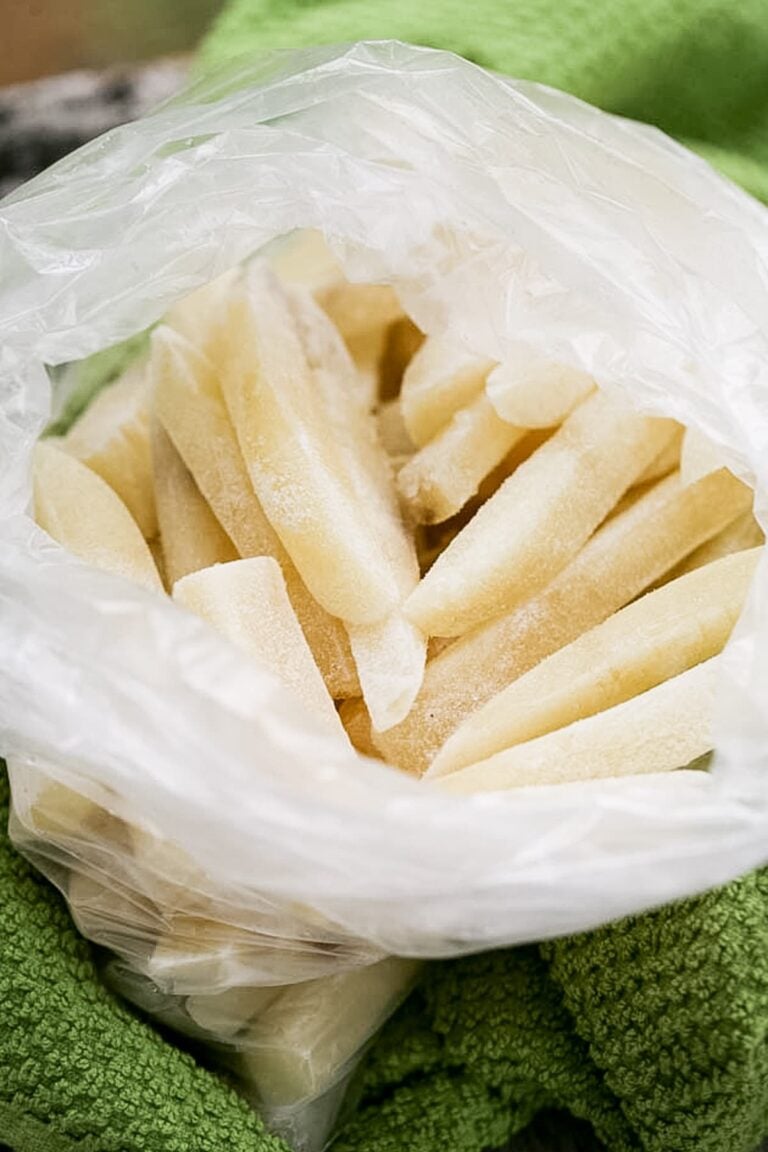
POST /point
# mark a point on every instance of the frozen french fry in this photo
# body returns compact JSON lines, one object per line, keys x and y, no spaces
{"x":653,"y":639}
{"x":622,"y":559}
{"x":538,"y":519}
{"x":534,"y":392}
{"x":60,"y":812}
{"x":77,"y":508}
{"x":304,"y":258}
{"x":223,"y":1014}
{"x":390,"y":658}
{"x":744,"y":532}
{"x":665,"y":728}
{"x":389,"y":653}
{"x":112,"y":438}
{"x":448,"y":470}
{"x":698,"y":456}
{"x":196,"y":316}
{"x":666,"y":461}
{"x":305,"y":1038}
{"x":441,"y":378}
{"x":246,"y":600}
{"x":357,"y":724}
{"x":190,"y":406}
{"x":393,"y":433}
{"x":192,"y":537}
{"x":359,"y":310}
{"x":295,"y":461}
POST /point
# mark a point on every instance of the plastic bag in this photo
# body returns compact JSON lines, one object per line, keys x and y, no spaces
{"x":225,"y":821}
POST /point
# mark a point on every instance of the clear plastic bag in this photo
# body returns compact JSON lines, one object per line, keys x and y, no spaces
{"x":201,"y":824}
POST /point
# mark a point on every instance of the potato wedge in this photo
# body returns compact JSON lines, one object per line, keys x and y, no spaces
{"x":77,"y":508}
{"x":295,"y":461}
{"x":448,"y":470}
{"x":191,"y":408}
{"x":628,"y":553}
{"x":389,"y":653}
{"x":192,"y":537}
{"x":533,"y":392}
{"x":653,"y":639}
{"x":299,"y":1044}
{"x":112,"y":439}
{"x":441,"y":378}
{"x":538,"y":519}
{"x":247,"y":601}
{"x":665,"y":728}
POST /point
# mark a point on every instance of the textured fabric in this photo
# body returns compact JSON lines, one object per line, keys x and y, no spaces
{"x":697,"y":68}
{"x":79,"y":1072}
{"x":654,"y":1030}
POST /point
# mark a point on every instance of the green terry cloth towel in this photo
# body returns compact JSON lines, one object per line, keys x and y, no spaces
{"x":696,"y":68}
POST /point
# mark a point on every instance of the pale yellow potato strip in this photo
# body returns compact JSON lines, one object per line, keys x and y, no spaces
{"x":246,"y":600}
{"x":293,"y":458}
{"x":658,"y":636}
{"x":663,"y":729}
{"x":666,"y":461}
{"x":538,"y":519}
{"x":744,"y":532}
{"x":441,"y":378}
{"x":192,"y":537}
{"x":534,"y":392}
{"x":112,"y":438}
{"x":196,"y":316}
{"x":189,"y":404}
{"x":304,"y":1039}
{"x":626,"y":556}
{"x":448,"y":471}
{"x":224,"y":1013}
{"x":393,"y":433}
{"x":79,"y":510}
{"x":389,"y":653}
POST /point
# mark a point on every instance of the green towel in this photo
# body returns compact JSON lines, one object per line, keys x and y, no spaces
{"x":697,"y":68}
{"x":653,"y":1030}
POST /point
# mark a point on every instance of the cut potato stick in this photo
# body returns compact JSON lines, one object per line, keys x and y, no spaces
{"x":743,"y":533}
{"x":305,"y":1038}
{"x":189,"y":404}
{"x":79,"y":510}
{"x":246,"y":600}
{"x":390,"y":658}
{"x":112,"y":438}
{"x":304,"y":258}
{"x":666,"y":461}
{"x":534,"y":392}
{"x":390,"y":653}
{"x":447,"y":471}
{"x":539,"y":519}
{"x":393,"y":433}
{"x":359,"y":310}
{"x":293,"y":458}
{"x":357,"y":724}
{"x":196,"y":316}
{"x":698,"y":456}
{"x":192,"y":537}
{"x":441,"y":378}
{"x":224,"y":1013}
{"x":653,"y":639}
{"x":626,"y":556}
{"x":663,"y":729}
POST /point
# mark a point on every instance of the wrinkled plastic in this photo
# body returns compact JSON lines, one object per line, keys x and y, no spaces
{"x":507,"y":214}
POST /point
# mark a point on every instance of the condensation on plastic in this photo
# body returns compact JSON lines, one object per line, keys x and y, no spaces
{"x":503,"y":212}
